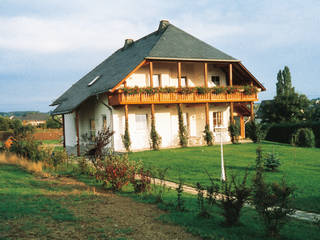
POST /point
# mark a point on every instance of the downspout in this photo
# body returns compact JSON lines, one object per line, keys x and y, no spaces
{"x":111,"y":119}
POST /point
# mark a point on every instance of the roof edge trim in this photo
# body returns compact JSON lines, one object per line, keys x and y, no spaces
{"x":135,"y":69}
{"x":192,"y":59}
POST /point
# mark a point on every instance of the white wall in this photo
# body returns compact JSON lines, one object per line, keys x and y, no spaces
{"x":166,"y":119}
{"x":193,"y":71}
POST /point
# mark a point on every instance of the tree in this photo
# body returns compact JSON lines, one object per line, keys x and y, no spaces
{"x":51,"y":123}
{"x":287,"y":105}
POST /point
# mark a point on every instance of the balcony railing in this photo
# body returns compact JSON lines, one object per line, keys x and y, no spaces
{"x":121,"y":98}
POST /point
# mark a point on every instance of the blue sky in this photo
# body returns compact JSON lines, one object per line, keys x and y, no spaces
{"x":46,"y":46}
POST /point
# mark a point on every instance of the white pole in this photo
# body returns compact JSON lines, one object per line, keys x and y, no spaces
{"x":223,"y":174}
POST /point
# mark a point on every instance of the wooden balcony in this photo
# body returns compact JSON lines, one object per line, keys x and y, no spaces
{"x":121,"y":98}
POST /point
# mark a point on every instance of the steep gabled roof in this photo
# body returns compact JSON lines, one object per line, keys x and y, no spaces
{"x":168,"y":42}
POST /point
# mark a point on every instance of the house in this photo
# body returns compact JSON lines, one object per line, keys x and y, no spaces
{"x":147,"y":79}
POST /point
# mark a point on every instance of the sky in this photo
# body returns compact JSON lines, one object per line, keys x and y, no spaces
{"x":46,"y":46}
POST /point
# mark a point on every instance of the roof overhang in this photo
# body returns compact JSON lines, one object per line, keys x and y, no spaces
{"x":191,"y":59}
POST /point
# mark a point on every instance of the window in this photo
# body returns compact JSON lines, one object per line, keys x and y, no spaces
{"x":215,"y":80}
{"x":184,"y":81}
{"x":156,"y":80}
{"x":217,"y":119}
{"x":104,"y":122}
{"x":141,"y":122}
{"x":92,"y":129}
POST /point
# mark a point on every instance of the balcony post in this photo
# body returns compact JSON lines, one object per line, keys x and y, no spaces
{"x":151,"y":73}
{"x":77,"y":132}
{"x":152,"y":112}
{"x":207,"y":113}
{"x":242,"y":127}
{"x":230,"y":74}
{"x":251,"y":110}
{"x":179,"y":74}
{"x":205,"y":74}
{"x":231,"y":113}
{"x":126,"y":112}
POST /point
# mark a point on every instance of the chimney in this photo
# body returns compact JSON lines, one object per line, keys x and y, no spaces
{"x":128,"y":43}
{"x":163,"y":25}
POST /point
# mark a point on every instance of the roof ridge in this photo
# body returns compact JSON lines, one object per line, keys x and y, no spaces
{"x":159,"y":32}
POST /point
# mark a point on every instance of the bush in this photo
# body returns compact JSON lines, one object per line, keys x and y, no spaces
{"x":115,"y":170}
{"x":28,"y":148}
{"x":203,"y":211}
{"x":304,"y":137}
{"x":159,"y":188}
{"x":58,"y":157}
{"x":141,"y":183}
{"x":271,"y":161}
{"x":155,"y":137}
{"x":271,"y":200}
{"x":54,"y":124}
{"x":183,"y":135}
{"x":255,"y":131}
{"x":208,"y":135}
{"x":234,"y":132}
{"x":283,"y":132}
{"x":126,"y":138}
{"x":180,"y":201}
{"x":234,"y":196}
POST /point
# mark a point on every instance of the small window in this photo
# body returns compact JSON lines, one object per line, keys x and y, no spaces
{"x":215,"y":80}
{"x":93,"y":81}
{"x":156,"y":80}
{"x":184,"y":81}
{"x":92,"y":129}
{"x":217,"y":119}
{"x":141,"y":122}
{"x":104,"y":122}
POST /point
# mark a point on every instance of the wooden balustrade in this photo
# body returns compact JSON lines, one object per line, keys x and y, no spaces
{"x":120,"y":98}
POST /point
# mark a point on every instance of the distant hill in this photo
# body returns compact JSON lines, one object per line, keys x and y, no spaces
{"x":27,"y":115}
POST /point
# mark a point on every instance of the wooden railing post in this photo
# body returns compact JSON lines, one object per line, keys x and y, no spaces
{"x":77,"y":131}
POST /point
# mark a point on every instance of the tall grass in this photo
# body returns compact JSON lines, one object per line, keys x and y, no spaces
{"x":12,"y":159}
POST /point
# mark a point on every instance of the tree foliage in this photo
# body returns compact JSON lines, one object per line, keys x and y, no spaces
{"x":287,"y":105}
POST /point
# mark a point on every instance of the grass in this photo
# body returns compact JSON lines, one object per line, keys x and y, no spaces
{"x":34,"y":208}
{"x":299,"y":166}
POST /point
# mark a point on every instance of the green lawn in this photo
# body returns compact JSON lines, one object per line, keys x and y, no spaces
{"x":300,"y":166}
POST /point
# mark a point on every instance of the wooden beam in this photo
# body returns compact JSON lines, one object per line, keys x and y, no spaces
{"x":126,"y":111}
{"x":205,"y":74}
{"x":151,"y":73}
{"x":231,"y":112}
{"x":252,"y":111}
{"x":133,"y":71}
{"x":179,"y":74}
{"x":77,"y":129}
{"x":207,"y":113}
{"x":64,"y":131}
{"x":242,"y":127}
{"x":230,"y":74}
{"x":152,"y":112}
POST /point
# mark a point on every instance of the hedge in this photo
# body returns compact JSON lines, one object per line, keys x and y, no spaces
{"x":283,"y":132}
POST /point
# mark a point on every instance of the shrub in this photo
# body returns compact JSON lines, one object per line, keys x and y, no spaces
{"x":160,"y":187}
{"x":126,"y":137}
{"x":52,"y":123}
{"x":58,"y":157}
{"x":183,"y":135}
{"x":212,"y":190}
{"x":271,"y":161}
{"x":203,"y":211}
{"x":115,"y":170}
{"x":27,"y":148}
{"x":180,"y":201}
{"x":234,"y":132}
{"x":208,"y":135}
{"x":141,"y":183}
{"x":271,"y":200}
{"x":255,"y":131}
{"x":304,"y":137}
{"x":155,"y":137}
{"x":234,"y":196}
{"x":283,"y":132}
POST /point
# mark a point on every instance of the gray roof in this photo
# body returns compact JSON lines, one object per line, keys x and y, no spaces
{"x":168,"y":42}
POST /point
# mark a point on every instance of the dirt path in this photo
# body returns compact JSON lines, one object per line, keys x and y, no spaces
{"x":118,"y":217}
